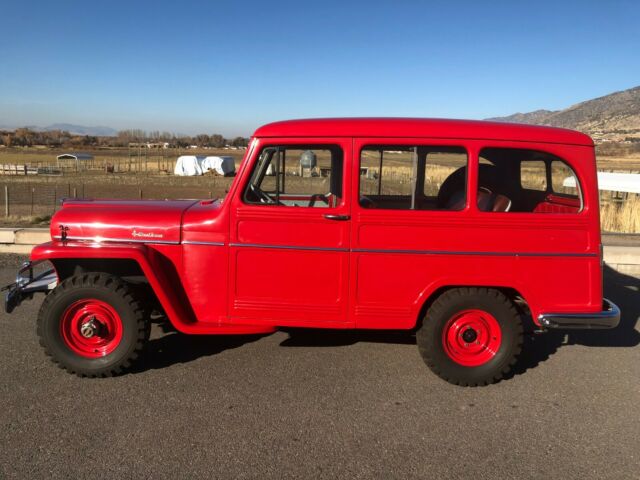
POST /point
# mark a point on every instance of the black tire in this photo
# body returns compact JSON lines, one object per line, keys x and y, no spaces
{"x":451,"y":303}
{"x":110,"y":290}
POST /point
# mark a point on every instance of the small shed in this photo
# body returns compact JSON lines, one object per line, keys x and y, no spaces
{"x":75,"y":161}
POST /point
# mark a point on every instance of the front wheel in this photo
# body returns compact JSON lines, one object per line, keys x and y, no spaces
{"x":471,"y":336}
{"x":92,"y":326}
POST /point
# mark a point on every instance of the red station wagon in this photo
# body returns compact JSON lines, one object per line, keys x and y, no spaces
{"x":470,"y":233}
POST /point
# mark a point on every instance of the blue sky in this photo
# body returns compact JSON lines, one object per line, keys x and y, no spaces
{"x":231,"y":66}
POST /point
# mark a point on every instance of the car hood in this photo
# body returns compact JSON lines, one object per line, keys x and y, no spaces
{"x":148,"y":221}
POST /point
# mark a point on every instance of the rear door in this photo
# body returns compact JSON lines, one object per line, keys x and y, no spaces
{"x":410,"y":224}
{"x":289,"y":235}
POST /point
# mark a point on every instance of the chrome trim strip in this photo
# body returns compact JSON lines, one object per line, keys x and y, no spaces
{"x":494,"y":254}
{"x":330,"y":249}
{"x":192,"y":242}
{"x":288,"y":247}
{"x":124,"y":240}
{"x":418,"y":252}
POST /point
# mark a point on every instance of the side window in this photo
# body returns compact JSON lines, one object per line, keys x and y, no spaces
{"x":533,"y":175}
{"x":297,"y":176}
{"x":521,"y":180}
{"x":563,"y":179}
{"x":413,"y":177}
{"x":386,"y":172}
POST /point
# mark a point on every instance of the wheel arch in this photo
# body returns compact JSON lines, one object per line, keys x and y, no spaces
{"x":132,"y":260}
{"x":120,"y":267}
{"x":513,"y":294}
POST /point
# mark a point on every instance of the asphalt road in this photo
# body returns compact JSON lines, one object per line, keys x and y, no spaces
{"x":323,"y":405}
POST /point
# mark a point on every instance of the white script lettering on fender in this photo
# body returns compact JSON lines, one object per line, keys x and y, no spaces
{"x":146,"y":234}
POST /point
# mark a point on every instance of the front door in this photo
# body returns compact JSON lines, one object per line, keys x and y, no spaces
{"x":289,"y":234}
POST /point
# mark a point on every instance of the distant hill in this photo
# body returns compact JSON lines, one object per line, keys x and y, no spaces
{"x":615,"y":116}
{"x":68,"y":127}
{"x":82,"y":130}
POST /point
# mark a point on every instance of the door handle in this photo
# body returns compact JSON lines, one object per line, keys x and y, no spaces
{"x":330,"y":216}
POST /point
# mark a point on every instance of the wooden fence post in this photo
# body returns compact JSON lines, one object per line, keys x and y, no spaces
{"x":6,"y":200}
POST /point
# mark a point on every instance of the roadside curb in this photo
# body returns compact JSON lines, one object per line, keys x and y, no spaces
{"x":621,"y":253}
{"x":22,"y":240}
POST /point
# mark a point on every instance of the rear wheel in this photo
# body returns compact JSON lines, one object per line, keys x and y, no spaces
{"x":471,"y":336}
{"x":91,"y":325}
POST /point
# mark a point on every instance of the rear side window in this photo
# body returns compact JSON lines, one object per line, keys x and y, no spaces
{"x":413,"y":177}
{"x":563,"y":179}
{"x":521,"y":180}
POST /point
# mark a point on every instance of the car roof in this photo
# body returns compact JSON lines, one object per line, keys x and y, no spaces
{"x":420,"y":127}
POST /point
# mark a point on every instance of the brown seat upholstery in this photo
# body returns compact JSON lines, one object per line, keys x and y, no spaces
{"x":492,"y":202}
{"x":501,"y":203}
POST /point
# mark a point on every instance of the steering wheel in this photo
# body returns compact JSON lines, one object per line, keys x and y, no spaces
{"x":263,"y":196}
{"x":318,"y":196}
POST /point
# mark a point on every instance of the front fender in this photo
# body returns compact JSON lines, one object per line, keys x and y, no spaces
{"x":151,"y":262}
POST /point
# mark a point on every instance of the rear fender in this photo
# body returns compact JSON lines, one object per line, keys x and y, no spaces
{"x":510,"y":288}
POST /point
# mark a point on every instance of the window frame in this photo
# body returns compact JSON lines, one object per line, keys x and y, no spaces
{"x":547,"y":176}
{"x":418,"y":178}
{"x":553,"y":155}
{"x":575,"y":175}
{"x":286,"y":144}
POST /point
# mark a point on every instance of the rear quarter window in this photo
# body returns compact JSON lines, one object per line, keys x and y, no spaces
{"x":514,"y":180}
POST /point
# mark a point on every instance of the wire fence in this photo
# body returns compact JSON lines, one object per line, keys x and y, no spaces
{"x":135,"y":160}
{"x":138,"y":165}
{"x":29,"y":201}
{"x":44,"y":199}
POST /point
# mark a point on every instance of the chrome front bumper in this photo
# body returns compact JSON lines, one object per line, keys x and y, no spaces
{"x":27,"y":283}
{"x":609,"y":317}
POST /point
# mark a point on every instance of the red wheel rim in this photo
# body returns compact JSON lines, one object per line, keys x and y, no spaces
{"x":472,"y":337}
{"x":91,"y":328}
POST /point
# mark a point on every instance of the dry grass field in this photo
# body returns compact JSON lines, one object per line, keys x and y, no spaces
{"x":623,"y":217}
{"x":619,"y":214}
{"x":34,"y":198}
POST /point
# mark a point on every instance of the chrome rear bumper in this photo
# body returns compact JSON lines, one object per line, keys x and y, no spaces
{"x":609,"y":317}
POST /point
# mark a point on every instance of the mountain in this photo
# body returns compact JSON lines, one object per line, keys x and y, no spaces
{"x":81,"y":130}
{"x":74,"y":129}
{"x":615,"y":116}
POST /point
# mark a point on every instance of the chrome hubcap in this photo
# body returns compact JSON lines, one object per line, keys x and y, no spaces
{"x":89,"y":329}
